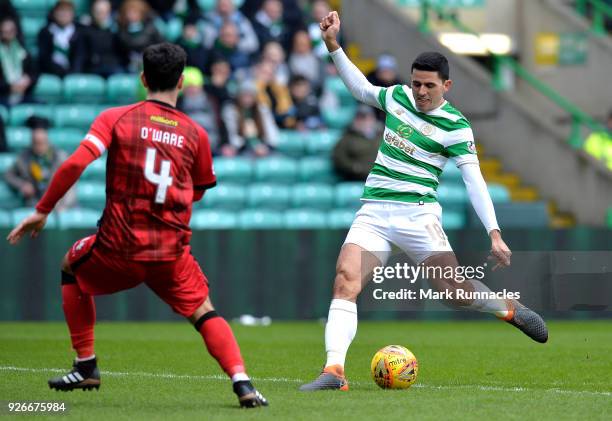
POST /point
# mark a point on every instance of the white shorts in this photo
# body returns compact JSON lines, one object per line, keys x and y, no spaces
{"x":415,"y":229}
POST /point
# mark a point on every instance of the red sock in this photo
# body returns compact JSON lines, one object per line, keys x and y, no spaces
{"x":80,"y":312}
{"x":221,"y":344}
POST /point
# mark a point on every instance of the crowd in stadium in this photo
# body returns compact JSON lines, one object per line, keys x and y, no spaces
{"x":252,"y":71}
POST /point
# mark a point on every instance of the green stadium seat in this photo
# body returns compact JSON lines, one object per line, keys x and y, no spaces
{"x":337,"y":87}
{"x":291,"y":143}
{"x":6,"y":161}
{"x":275,"y":169}
{"x":268,"y":196}
{"x":213,"y":219}
{"x":18,"y":138}
{"x":317,"y":169}
{"x":312,"y":196}
{"x":19,"y":214}
{"x":305,"y":219}
{"x":48,"y":88}
{"x":321,"y":142}
{"x":260,"y":219}
{"x":340,"y":218}
{"x":20,"y":113}
{"x":121,"y":88}
{"x":6,"y":221}
{"x":452,"y":193}
{"x":207,"y":5}
{"x":78,"y":218}
{"x":338,"y":118}
{"x":91,"y":194}
{"x":79,"y":116}
{"x":453,"y":220}
{"x":224,"y":196}
{"x":451,"y":174}
{"x":499,"y":193}
{"x":609,"y":218}
{"x":66,"y":138}
{"x":8,"y":198}
{"x":84,"y":88}
{"x":348,"y":194}
{"x":33,"y":7}
{"x":170,"y":30}
{"x":4,"y":114}
{"x":96,"y":171}
{"x":235,"y":169}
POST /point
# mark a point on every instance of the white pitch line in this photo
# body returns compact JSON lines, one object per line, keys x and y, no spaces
{"x":288,"y":380}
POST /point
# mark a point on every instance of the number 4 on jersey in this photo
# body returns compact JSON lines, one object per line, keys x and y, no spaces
{"x":161,"y":179}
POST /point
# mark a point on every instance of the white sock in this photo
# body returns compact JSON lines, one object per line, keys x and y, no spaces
{"x":238,"y":377}
{"x":485,"y":305}
{"x":85,"y":358}
{"x":340,"y":330}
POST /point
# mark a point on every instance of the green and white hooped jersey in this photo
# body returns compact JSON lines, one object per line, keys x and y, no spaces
{"x":415,"y":148}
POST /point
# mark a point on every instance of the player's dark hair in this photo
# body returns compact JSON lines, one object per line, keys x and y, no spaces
{"x":163,"y":65}
{"x":431,"y":61}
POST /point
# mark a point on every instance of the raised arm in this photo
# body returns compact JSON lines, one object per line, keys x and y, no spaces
{"x":361,"y":89}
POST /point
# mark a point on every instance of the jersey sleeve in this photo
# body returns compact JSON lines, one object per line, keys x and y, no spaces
{"x":203,"y":174}
{"x":382,"y":98}
{"x":461,"y":148}
{"x":100,"y":134}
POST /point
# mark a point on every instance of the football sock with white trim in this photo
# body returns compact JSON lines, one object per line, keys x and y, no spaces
{"x":487,"y":305}
{"x":340,"y":330}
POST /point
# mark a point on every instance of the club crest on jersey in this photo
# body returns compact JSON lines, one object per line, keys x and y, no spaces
{"x":427,"y":129}
{"x":399,"y":111}
{"x":163,"y":120}
{"x":405,"y":130}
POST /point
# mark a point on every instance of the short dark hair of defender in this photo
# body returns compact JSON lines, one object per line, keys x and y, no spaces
{"x":163,"y":65}
{"x":431,"y":61}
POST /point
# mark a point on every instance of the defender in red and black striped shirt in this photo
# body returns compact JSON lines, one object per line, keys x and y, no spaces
{"x":159,"y":163}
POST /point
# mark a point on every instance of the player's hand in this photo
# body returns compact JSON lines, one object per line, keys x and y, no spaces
{"x":330,"y":27}
{"x":500,"y":252}
{"x":33,"y":224}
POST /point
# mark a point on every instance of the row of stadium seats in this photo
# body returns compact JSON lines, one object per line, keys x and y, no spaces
{"x":83,"y":218}
{"x":510,"y":215}
{"x":231,"y":196}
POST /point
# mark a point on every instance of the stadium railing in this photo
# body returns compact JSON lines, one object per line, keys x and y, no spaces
{"x":600,"y":10}
{"x":579,"y":118}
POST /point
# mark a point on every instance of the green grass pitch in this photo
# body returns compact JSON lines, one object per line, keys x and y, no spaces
{"x":468,"y":370}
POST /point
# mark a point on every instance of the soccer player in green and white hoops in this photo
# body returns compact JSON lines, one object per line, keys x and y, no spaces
{"x":422,"y":131}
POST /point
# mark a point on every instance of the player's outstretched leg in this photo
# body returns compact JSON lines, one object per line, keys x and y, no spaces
{"x":513,"y":312}
{"x":80,"y":313}
{"x":222,"y":346}
{"x":352,"y":272}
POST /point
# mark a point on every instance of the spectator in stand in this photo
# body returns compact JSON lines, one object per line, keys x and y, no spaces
{"x":8,"y":11}
{"x":61,"y":42}
{"x":384,"y":75}
{"x":599,"y":144}
{"x":355,"y":152}
{"x":320,"y":9}
{"x":304,"y":62}
{"x":17,"y":74}
{"x":273,"y":52}
{"x":220,"y":82}
{"x":195,"y":102}
{"x":163,"y":8}
{"x":101,"y":41}
{"x":250,"y":124}
{"x":269,"y":24}
{"x":226,"y":47}
{"x":136,"y":32}
{"x":274,"y":95}
{"x":292,"y":12}
{"x":34,"y":167}
{"x":226,"y":12}
{"x":307,"y":114}
{"x":192,"y":42}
